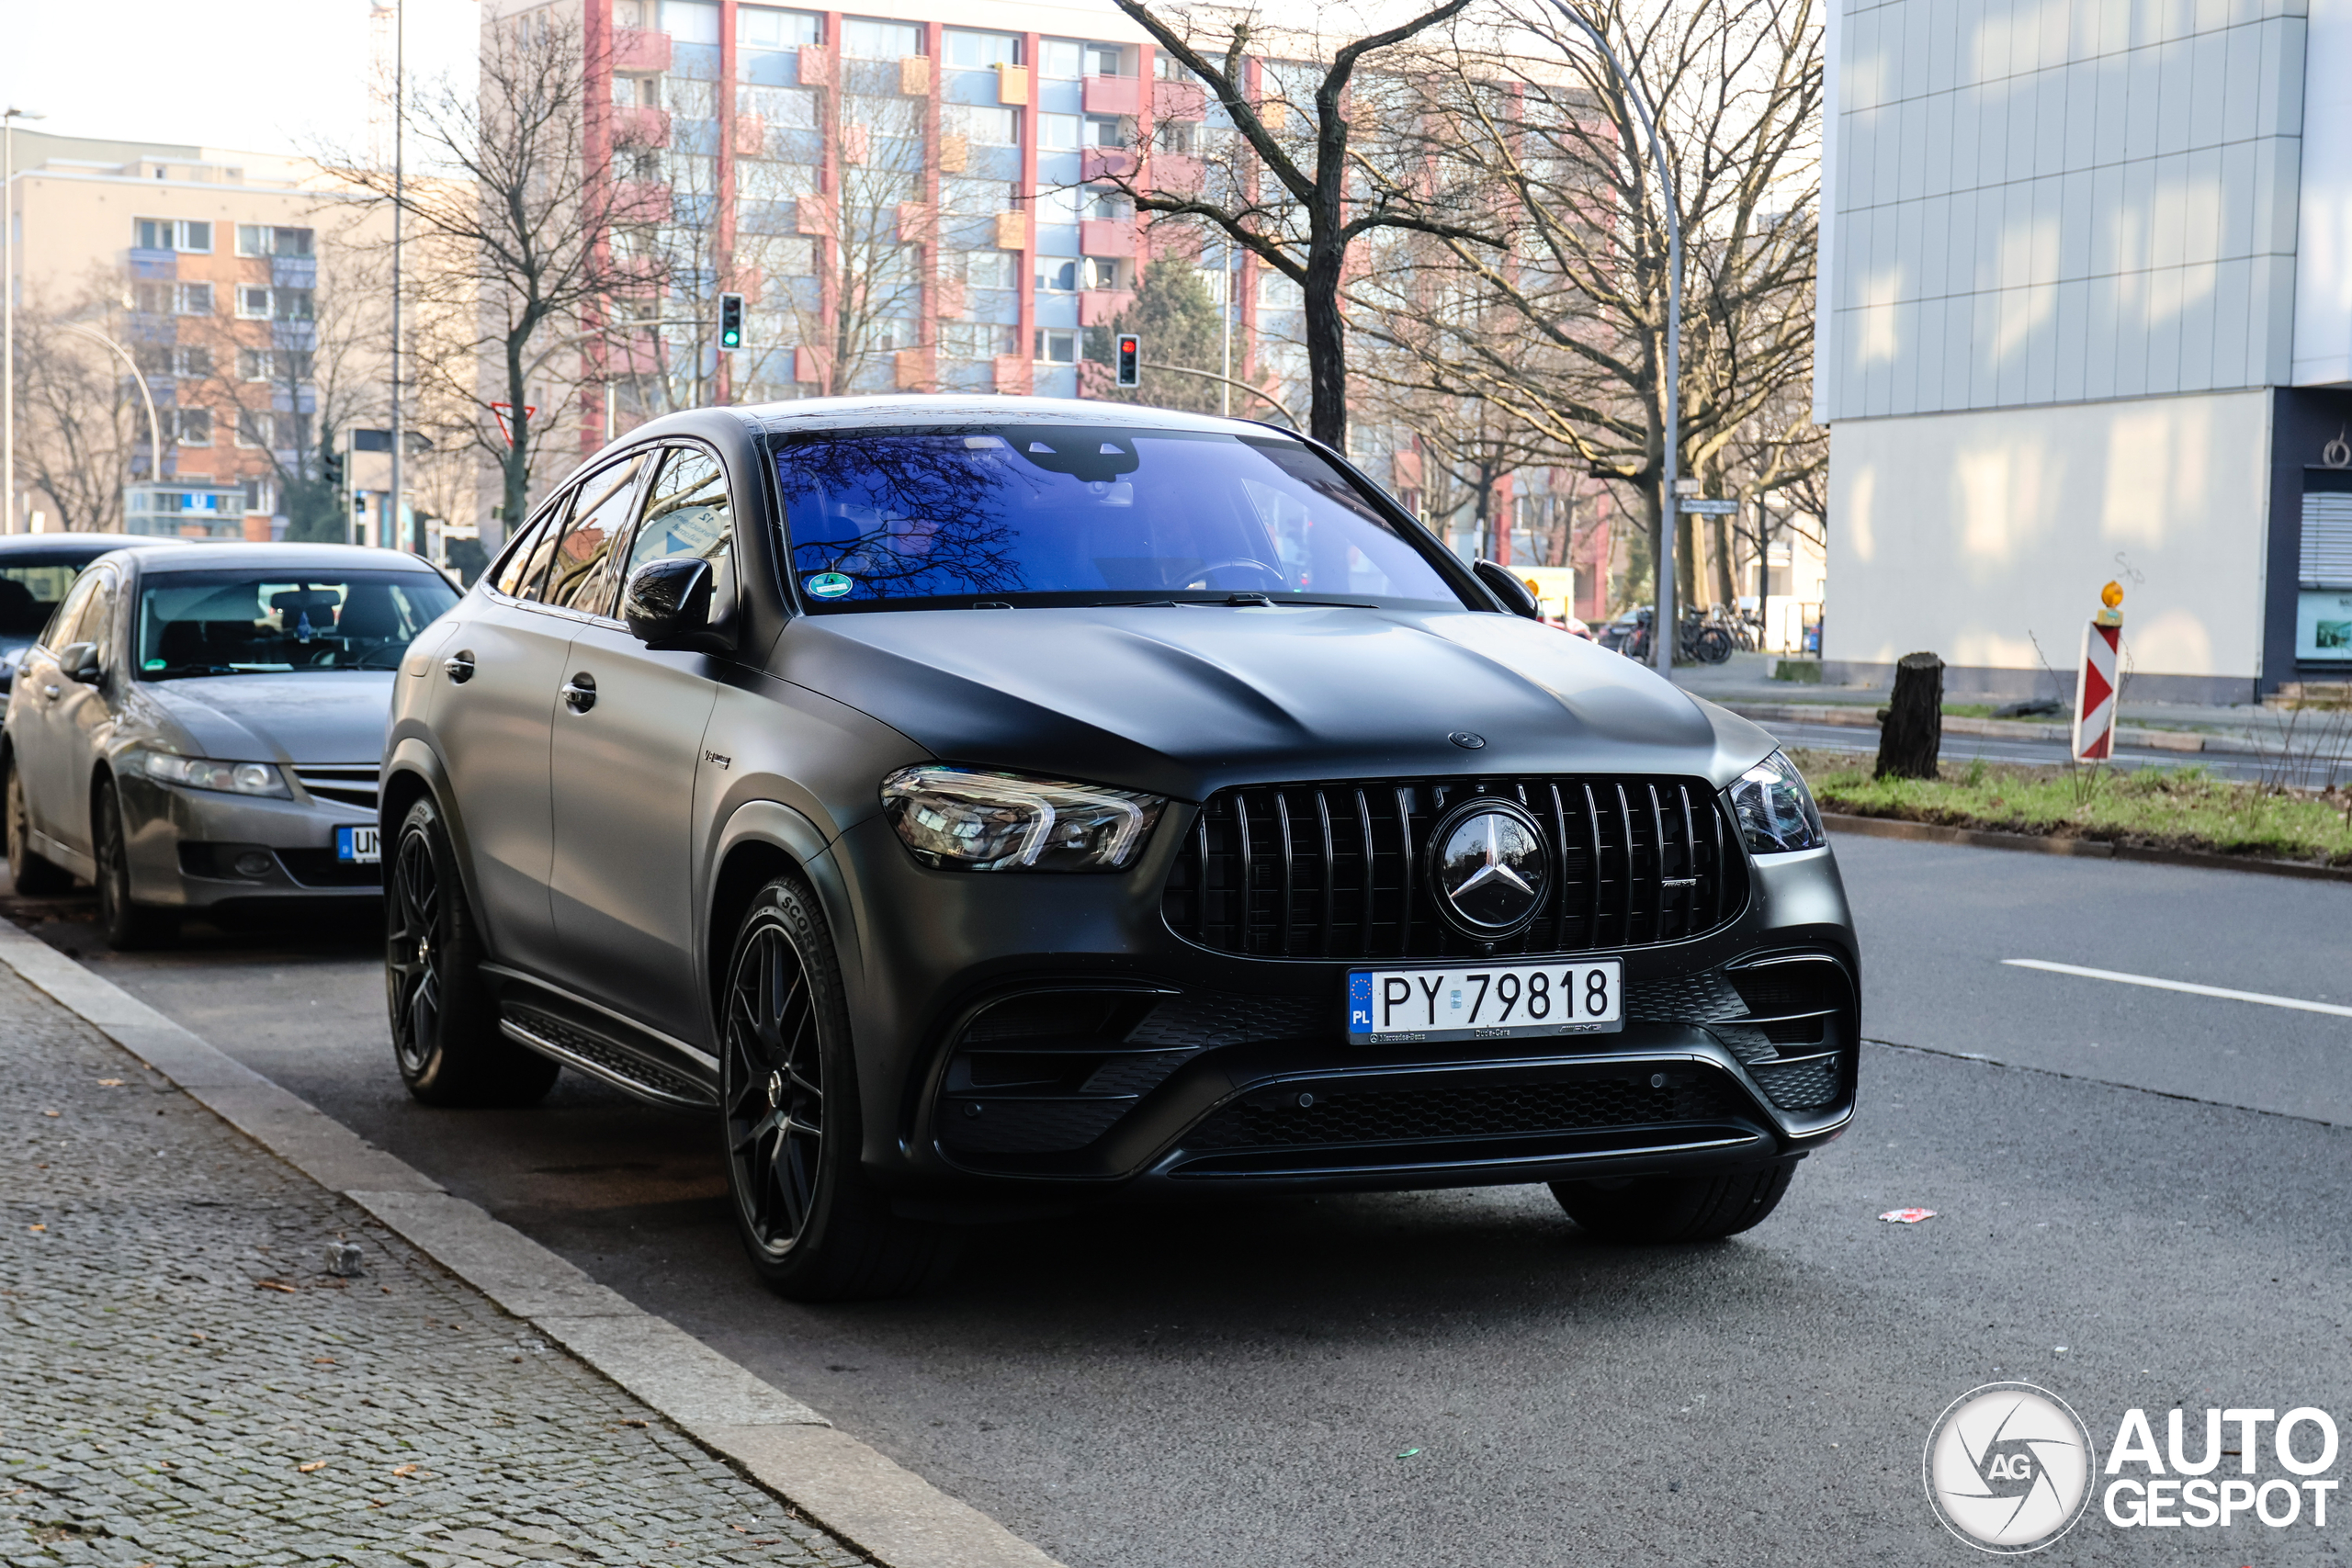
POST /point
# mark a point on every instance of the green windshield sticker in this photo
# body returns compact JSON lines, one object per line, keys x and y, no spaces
{"x":156,"y":664}
{"x":827,"y":584}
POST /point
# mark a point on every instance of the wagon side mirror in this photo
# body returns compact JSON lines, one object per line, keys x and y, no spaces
{"x":667,"y":603}
{"x":1499,"y":582}
{"x":79,"y":661}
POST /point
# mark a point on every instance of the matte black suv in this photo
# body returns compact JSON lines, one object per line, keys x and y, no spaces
{"x":980,"y":804}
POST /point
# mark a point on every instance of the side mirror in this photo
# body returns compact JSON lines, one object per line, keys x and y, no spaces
{"x":79,"y":661}
{"x":667,"y":601}
{"x":1504,"y":586}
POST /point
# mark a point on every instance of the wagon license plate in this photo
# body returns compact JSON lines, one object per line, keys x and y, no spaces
{"x":358,"y":846}
{"x":1485,"y":1001}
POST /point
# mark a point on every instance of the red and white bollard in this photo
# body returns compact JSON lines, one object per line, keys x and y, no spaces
{"x":2095,"y":686}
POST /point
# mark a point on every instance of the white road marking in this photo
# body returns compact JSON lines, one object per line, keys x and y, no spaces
{"x":2225,"y":994}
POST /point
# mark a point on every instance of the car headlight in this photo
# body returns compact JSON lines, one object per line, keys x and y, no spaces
{"x":1775,"y":810}
{"x":966,"y":820}
{"x":203,"y":772}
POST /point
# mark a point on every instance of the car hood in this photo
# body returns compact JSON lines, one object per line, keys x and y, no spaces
{"x":1183,"y":700}
{"x":325,"y":717}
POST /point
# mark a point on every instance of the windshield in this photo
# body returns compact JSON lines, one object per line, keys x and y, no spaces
{"x":1064,"y":514}
{"x":276,"y":622}
{"x":29,"y":590}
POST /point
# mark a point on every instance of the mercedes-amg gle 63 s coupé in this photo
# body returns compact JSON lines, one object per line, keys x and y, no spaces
{"x":975,"y":807}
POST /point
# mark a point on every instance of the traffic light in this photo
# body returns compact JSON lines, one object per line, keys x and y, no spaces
{"x":730,"y":321}
{"x":1130,"y":360}
{"x":331,"y":465}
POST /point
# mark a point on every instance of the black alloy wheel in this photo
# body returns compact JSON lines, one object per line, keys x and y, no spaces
{"x":33,"y":877}
{"x":129,"y":926}
{"x":1705,"y":1207}
{"x":445,"y":1023}
{"x":814,"y":1227}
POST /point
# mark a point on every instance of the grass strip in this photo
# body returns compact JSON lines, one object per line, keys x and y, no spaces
{"x":2169,"y":808}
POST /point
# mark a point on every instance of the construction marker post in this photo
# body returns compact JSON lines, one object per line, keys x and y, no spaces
{"x":2095,"y":686}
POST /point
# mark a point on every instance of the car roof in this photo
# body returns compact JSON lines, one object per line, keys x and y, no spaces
{"x":70,"y":547}
{"x":233,"y":557}
{"x":949,"y":410}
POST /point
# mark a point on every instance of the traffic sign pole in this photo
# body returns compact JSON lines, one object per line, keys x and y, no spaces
{"x":2098,"y":684}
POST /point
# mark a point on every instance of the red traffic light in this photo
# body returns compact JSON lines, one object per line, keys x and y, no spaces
{"x":1129,"y":360}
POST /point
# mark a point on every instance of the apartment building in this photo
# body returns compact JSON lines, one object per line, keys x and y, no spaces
{"x":2086,"y":313}
{"x":200,"y":269}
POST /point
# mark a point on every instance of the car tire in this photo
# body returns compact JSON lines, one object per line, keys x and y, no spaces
{"x":445,"y":1023}
{"x":1676,"y":1208}
{"x":33,"y":877}
{"x":814,"y":1225}
{"x":128,"y":925}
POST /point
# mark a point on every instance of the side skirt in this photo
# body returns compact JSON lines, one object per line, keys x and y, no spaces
{"x":651,"y":1066}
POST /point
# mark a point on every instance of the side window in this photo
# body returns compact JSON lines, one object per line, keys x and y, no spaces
{"x":64,"y":625}
{"x":688,"y":514}
{"x":581,"y":575}
{"x":526,"y":564}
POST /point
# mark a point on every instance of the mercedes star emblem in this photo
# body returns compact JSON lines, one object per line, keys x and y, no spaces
{"x":1490,"y":867}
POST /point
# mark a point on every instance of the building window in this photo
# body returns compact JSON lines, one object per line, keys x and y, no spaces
{"x":260,"y":495}
{"x":1101,"y":272}
{"x":1182,"y":137}
{"x":779,"y":108}
{"x":1058,"y":132}
{"x":1107,"y":204}
{"x":256,"y":429}
{"x":691,"y":21}
{"x":1105,"y":60}
{"x":687,"y":97}
{"x":1058,"y":203}
{"x":978,"y":51}
{"x":1059,"y":60}
{"x":765,"y":27}
{"x":863,"y":39}
{"x":1056,"y":276}
{"x":975,"y":199}
{"x":977,"y":340}
{"x":982,"y":127}
{"x":174,"y":234}
{"x":174,"y":299}
{"x":1107,"y":130}
{"x":192,"y":427}
{"x":1276,"y":292}
{"x":191,"y":360}
{"x":291,"y":365}
{"x":993,"y":270}
{"x":1056,"y":347}
{"x":253,"y":303}
{"x":264,"y":240}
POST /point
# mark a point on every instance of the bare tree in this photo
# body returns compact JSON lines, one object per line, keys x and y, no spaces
{"x":82,"y":433}
{"x":1309,"y":168}
{"x":534,"y":232}
{"x":1583,"y":277}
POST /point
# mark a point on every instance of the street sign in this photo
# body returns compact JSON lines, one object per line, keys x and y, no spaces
{"x":2098,"y":684}
{"x":1711,"y":508}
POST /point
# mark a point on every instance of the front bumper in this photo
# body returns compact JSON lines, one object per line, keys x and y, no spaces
{"x":1035,"y":1033}
{"x":186,"y":845}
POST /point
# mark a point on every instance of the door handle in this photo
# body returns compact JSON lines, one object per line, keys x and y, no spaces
{"x":459,"y":666}
{"x":579,"y":696}
{"x":49,"y":691}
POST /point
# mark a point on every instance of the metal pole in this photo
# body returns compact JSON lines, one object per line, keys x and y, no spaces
{"x":9,"y":119}
{"x":154,"y":426}
{"x":1662,"y":628}
{"x":1224,"y":333}
{"x":399,"y":196}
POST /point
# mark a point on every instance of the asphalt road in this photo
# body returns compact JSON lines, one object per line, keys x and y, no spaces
{"x":2140,"y":1196}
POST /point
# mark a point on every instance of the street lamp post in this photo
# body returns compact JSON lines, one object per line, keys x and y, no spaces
{"x":9,"y":119}
{"x":154,"y":426}
{"x":1662,"y":628}
{"x":399,"y":200}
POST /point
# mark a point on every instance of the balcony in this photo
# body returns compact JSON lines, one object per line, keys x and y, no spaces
{"x":816,"y":66}
{"x":955,"y":151}
{"x":918,"y":222}
{"x":1177,"y":101}
{"x":815,"y":215}
{"x":1176,"y":174}
{"x":1115,"y":95}
{"x":1106,"y":163}
{"x":638,"y":52}
{"x":1012,"y":84}
{"x":750,"y":136}
{"x":1099,"y":307}
{"x":914,"y":76}
{"x":1013,"y":374}
{"x":912,"y":371}
{"x":947,"y":298}
{"x":1106,"y":237}
{"x":1012,"y":231}
{"x":812,"y":366}
{"x":636,"y":202}
{"x":635,"y":126}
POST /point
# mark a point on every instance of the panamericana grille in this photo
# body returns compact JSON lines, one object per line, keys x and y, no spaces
{"x":1397,"y":1115}
{"x":1337,"y":870}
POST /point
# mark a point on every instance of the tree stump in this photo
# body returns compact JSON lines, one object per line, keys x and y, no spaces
{"x":1911,"y":728}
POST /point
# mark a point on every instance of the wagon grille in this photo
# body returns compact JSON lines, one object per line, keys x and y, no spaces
{"x":1336,"y":870}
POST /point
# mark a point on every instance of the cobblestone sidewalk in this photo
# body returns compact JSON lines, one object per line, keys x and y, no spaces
{"x":182,"y":1382}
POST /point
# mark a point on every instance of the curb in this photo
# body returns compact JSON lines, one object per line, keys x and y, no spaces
{"x":1862,"y":717}
{"x":2090,"y":848}
{"x":858,"y":1493}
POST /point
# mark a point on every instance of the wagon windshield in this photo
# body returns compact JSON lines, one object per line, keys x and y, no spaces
{"x":1066,"y":515}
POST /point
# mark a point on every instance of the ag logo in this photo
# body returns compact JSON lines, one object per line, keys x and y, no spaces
{"x":2008,"y":1468}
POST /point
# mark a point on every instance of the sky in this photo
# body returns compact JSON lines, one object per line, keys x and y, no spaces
{"x":257,"y":75}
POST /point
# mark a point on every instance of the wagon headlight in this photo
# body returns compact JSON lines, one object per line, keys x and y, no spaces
{"x":966,"y":820}
{"x":203,"y":772}
{"x":1775,"y":810}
